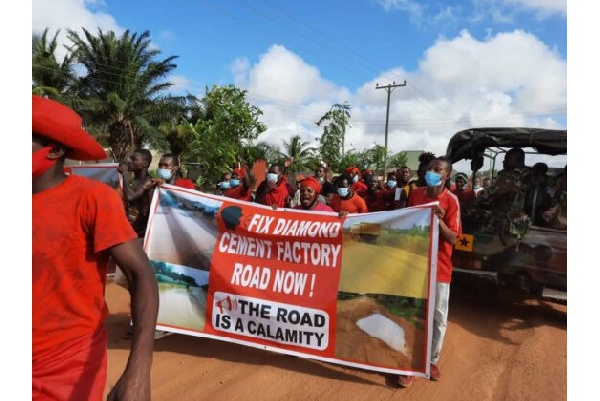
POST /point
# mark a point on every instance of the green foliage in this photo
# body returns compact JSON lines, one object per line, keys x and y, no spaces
{"x":334,"y":124}
{"x":414,"y":240}
{"x":229,"y":123}
{"x":50,"y":77}
{"x":122,"y":95}
{"x":299,"y":152}
{"x":398,"y":160}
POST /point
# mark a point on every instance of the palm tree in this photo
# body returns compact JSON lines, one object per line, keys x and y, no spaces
{"x":122,"y":92}
{"x":50,"y":78}
{"x":180,"y":130}
{"x":299,"y":152}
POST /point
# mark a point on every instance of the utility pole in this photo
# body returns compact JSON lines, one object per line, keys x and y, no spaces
{"x":389,"y":89}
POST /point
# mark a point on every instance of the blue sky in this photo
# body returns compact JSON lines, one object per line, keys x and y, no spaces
{"x":468,"y":63}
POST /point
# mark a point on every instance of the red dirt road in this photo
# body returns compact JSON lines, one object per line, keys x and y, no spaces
{"x":508,"y":349}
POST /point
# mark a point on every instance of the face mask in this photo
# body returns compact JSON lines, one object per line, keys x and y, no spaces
{"x":272,"y":177}
{"x":225,"y":185}
{"x":320,"y":179}
{"x":391,"y":183}
{"x":40,"y":161}
{"x":165,"y":173}
{"x":433,"y":179}
{"x":234,"y":183}
{"x":343,"y":192}
{"x":355,"y":178}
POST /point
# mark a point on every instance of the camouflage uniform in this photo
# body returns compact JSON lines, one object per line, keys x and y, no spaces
{"x":505,"y":200}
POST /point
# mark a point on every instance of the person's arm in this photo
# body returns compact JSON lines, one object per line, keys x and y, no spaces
{"x":447,"y":234}
{"x":249,"y":179}
{"x":129,"y":194}
{"x":134,"y":383}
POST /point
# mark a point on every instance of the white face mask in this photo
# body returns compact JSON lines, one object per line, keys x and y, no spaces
{"x":272,"y":177}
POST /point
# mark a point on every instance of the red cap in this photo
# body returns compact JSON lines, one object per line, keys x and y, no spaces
{"x":59,"y":123}
{"x":311,"y":182}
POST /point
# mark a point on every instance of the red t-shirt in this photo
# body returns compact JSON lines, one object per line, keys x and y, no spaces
{"x":184,"y":183}
{"x":466,"y":196}
{"x":72,"y":224}
{"x":360,"y":188}
{"x":377,"y":201}
{"x":355,"y":204}
{"x":239,"y":192}
{"x":449,"y":202}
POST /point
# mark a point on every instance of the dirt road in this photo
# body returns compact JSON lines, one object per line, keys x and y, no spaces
{"x":508,"y":349}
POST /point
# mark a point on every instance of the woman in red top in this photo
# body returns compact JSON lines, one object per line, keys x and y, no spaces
{"x":309,"y":194}
{"x":346,"y":200}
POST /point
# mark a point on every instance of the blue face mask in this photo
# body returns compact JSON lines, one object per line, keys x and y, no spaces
{"x":165,"y":173}
{"x":343,"y":192}
{"x":224,"y":185}
{"x":391,"y":183}
{"x":433,"y":179}
{"x":355,"y":178}
{"x":234,"y":183}
{"x":272,"y":177}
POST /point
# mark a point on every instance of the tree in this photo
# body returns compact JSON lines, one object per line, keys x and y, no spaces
{"x":229,"y":124}
{"x":398,"y":160}
{"x":123,"y":90}
{"x":299,"y":152}
{"x":180,"y":129}
{"x":334,"y":124}
{"x":50,"y":78}
{"x":250,"y":153}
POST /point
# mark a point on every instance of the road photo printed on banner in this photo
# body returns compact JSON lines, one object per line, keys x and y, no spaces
{"x":354,"y":291}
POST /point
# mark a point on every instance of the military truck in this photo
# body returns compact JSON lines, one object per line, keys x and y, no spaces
{"x":532,"y":260}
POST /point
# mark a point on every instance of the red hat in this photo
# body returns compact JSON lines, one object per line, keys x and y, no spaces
{"x":311,"y":182}
{"x":59,"y":123}
{"x":352,"y":170}
{"x":366,"y":172}
{"x":240,"y":172}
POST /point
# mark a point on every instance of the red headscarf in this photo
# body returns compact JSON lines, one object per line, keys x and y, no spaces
{"x":312,"y":183}
{"x":240,"y":172}
{"x":352,"y":171}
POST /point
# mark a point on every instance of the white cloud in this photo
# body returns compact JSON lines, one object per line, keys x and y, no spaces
{"x":179,"y":83}
{"x":507,"y":79}
{"x":70,"y":14}
{"x":543,"y":8}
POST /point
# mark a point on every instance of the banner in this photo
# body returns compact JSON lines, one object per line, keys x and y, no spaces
{"x":354,"y":291}
{"x":103,"y":172}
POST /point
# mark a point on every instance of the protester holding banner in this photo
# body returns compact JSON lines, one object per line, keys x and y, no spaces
{"x":240,"y":185}
{"x":450,"y":228}
{"x":309,"y":194}
{"x":347,"y":200}
{"x":169,"y":172}
{"x":137,"y":194}
{"x":77,"y":224}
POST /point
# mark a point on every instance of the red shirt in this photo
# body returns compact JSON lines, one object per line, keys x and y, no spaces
{"x":449,"y":202}
{"x":73,"y":223}
{"x":466,"y":196}
{"x":278,"y":195}
{"x":360,"y":188}
{"x":355,"y":204}
{"x":378,"y":201}
{"x":184,"y":183}
{"x":239,"y":192}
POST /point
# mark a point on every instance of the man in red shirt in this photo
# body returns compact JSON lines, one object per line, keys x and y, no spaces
{"x":274,"y":190}
{"x":77,"y":224}
{"x":169,"y":172}
{"x":346,"y":200}
{"x":450,"y":228}
{"x":240,"y":185}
